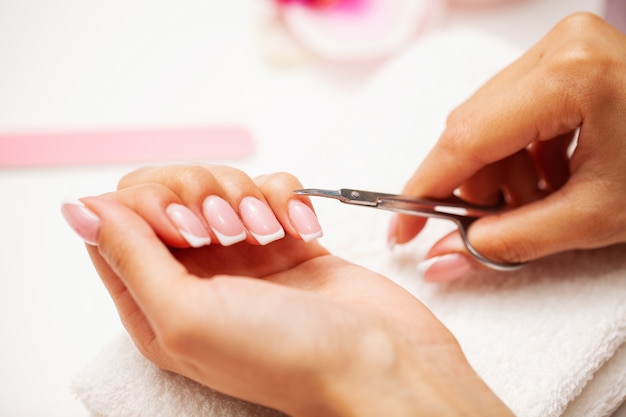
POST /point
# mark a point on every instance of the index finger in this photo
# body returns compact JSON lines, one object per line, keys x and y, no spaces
{"x":532,"y":109}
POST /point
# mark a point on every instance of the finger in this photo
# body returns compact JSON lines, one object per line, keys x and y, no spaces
{"x":513,"y":237}
{"x":295,"y":212}
{"x":484,"y":187}
{"x":241,"y":192}
{"x":529,"y":110}
{"x":552,"y":159}
{"x":515,"y":119}
{"x":231,"y":203}
{"x":564,"y":220}
{"x":191,"y":183}
{"x":520,"y":179}
{"x":174,"y":223}
{"x":448,"y":260}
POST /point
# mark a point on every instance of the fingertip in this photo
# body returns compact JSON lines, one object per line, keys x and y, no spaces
{"x":446,"y":268}
{"x":84,"y":222}
{"x":403,"y":228}
{"x":304,"y":220}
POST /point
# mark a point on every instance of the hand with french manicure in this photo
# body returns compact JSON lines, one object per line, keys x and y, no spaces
{"x":219,"y":278}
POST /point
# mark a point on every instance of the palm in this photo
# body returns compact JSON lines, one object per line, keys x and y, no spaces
{"x":246,"y":259}
{"x":288,"y":262}
{"x":264,"y":323}
{"x":290,"y":297}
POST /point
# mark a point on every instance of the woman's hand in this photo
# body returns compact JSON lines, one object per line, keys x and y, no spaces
{"x":284,"y":324}
{"x":514,"y":136}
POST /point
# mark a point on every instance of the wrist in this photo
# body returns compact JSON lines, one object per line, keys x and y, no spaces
{"x":399,"y":380}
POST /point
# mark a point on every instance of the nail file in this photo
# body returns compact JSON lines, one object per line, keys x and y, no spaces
{"x":124,"y":146}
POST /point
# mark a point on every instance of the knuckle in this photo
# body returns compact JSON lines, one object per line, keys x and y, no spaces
{"x":193,"y":177}
{"x":457,"y":139}
{"x":575,"y":22}
{"x":583,"y":62}
{"x":133,"y":177}
{"x":114,"y":250}
{"x":143,"y":194}
{"x":279,"y":180}
{"x":511,"y":251}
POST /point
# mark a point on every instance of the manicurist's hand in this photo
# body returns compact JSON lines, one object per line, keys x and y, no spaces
{"x":213,"y":279}
{"x":512,"y":137}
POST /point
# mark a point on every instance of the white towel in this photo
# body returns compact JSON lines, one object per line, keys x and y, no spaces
{"x":546,"y":338}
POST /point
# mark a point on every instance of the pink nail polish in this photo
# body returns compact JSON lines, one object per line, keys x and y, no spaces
{"x":260,"y":221}
{"x":188,"y":225}
{"x":223,"y":220}
{"x":82,"y":220}
{"x":304,"y":221}
{"x":444,"y":268}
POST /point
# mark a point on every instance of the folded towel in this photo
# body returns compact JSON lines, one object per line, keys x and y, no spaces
{"x":546,"y":338}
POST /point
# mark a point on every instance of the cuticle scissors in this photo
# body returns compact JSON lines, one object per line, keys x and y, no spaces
{"x":454,"y":209}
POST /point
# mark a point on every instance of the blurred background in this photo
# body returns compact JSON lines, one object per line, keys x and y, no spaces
{"x":72,"y":65}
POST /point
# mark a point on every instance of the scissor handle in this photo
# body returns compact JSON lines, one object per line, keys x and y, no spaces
{"x":462,"y":214}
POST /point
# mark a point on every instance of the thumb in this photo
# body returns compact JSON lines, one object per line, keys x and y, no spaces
{"x":134,"y":253}
{"x":567,"y":219}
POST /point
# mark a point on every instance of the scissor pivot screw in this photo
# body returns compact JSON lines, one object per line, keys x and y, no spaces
{"x":355,"y":194}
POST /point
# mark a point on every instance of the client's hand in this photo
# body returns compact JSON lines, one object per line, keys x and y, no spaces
{"x":285,"y":324}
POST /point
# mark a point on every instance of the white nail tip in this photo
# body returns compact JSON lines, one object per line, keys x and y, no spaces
{"x":195,"y":241}
{"x":226,"y":240}
{"x":308,"y":237}
{"x":423,"y":266}
{"x":74,"y":201}
{"x":265,"y":239}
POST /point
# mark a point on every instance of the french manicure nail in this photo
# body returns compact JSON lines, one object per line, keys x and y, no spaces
{"x":260,"y":221}
{"x":188,"y":224}
{"x":223,"y":220}
{"x":83,"y":221}
{"x":304,"y":221}
{"x":444,"y":268}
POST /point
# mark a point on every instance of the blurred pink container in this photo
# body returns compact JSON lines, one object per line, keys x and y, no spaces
{"x":358,"y":30}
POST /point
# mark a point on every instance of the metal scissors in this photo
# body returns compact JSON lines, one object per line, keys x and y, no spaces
{"x":455,"y":209}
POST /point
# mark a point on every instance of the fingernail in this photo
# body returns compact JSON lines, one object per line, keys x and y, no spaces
{"x":444,"y":268}
{"x":82,"y":220}
{"x":188,"y":224}
{"x":260,"y":221}
{"x":223,"y":220}
{"x":304,"y":221}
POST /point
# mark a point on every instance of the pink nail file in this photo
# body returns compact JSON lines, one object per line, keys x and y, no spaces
{"x":124,"y":146}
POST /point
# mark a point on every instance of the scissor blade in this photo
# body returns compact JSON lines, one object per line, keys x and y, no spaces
{"x":345,"y":195}
{"x":319,"y":192}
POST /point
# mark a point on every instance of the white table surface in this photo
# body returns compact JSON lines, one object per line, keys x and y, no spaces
{"x":73,"y":64}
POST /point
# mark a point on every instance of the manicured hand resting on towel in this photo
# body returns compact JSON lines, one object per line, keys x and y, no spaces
{"x":286,"y":325}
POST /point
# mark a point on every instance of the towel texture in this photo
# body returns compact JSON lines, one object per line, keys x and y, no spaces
{"x":546,"y":338}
